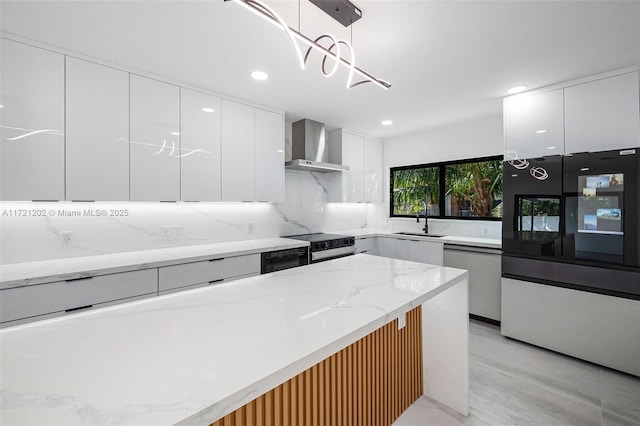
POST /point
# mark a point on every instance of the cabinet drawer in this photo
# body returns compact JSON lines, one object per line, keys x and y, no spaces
{"x":207,"y":271}
{"x":23,"y":302}
{"x":364,"y":245}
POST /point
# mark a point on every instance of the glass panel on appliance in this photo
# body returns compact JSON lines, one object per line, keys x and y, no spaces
{"x":538,"y":225}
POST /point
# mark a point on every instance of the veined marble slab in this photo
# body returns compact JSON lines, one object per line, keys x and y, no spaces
{"x":192,"y":357}
{"x":30,"y":273}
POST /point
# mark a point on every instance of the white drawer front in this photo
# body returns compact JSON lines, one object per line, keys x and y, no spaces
{"x":189,"y":274}
{"x":23,"y":302}
{"x":240,"y":265}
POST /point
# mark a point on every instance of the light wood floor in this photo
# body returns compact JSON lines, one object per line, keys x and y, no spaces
{"x":513,"y":383}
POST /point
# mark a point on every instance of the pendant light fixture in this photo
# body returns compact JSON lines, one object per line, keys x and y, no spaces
{"x":340,"y":51}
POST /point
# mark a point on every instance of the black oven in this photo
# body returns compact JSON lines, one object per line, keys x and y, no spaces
{"x":278,"y":260}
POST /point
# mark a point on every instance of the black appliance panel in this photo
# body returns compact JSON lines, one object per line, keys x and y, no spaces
{"x":532,"y":205}
{"x":602,"y":207}
{"x":279,"y":260}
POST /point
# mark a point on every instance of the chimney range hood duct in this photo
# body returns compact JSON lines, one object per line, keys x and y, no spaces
{"x":309,"y":148}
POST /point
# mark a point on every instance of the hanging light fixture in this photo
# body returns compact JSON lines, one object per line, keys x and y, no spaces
{"x":297,"y":37}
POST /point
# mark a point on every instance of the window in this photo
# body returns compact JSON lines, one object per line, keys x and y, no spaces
{"x":457,"y":189}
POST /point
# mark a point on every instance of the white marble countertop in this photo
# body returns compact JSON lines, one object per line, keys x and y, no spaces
{"x":449,"y":239}
{"x":192,"y":357}
{"x":30,"y":273}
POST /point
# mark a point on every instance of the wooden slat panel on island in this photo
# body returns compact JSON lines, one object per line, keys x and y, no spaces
{"x":369,"y":383}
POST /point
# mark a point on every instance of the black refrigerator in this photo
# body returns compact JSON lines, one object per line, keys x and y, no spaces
{"x":573,"y":221}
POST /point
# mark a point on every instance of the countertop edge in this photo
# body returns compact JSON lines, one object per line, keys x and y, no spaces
{"x":166,"y":259}
{"x":221,"y":408}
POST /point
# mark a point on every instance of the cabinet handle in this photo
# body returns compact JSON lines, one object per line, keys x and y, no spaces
{"x":78,"y":279}
{"x":215,"y":260}
{"x":79,"y":308}
{"x":216,"y":281}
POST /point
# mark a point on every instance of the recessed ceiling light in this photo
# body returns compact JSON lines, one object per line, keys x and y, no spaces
{"x":584,"y":169}
{"x":387,"y":122}
{"x":259,"y":75}
{"x":175,"y":133}
{"x":551,"y":147}
{"x":516,"y":89}
{"x":541,"y":131}
{"x":1,"y":106}
{"x":206,"y":109}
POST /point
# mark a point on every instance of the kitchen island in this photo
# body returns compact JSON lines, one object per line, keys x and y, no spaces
{"x":197,"y":356}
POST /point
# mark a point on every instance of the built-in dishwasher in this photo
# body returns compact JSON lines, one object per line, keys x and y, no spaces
{"x":483,"y":265}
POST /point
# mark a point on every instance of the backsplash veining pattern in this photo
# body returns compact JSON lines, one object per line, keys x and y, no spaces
{"x":26,"y":238}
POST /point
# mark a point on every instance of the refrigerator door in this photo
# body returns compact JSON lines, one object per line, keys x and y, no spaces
{"x":601,"y":207}
{"x":532,"y":198}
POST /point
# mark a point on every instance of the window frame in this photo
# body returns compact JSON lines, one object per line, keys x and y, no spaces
{"x":442,"y":198}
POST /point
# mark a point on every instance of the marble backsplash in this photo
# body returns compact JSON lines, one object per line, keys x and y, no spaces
{"x":31,"y":231}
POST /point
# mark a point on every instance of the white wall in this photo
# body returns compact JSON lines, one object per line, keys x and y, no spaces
{"x":475,"y":138}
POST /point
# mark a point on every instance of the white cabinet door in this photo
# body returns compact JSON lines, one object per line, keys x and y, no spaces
{"x":353,"y":156}
{"x":372,"y":171}
{"x":365,"y":245}
{"x":425,"y":252}
{"x":347,"y":149}
{"x":577,"y":323}
{"x":155,"y":140}
{"x":67,"y":296}
{"x":534,"y":125}
{"x":32,"y":123}
{"x":200,"y":146}
{"x":97,"y":116}
{"x":393,"y":247}
{"x":238,"y":162}
{"x":269,"y":156}
{"x":603,"y":114}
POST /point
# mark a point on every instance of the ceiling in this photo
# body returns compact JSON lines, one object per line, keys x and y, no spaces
{"x":447,"y":61}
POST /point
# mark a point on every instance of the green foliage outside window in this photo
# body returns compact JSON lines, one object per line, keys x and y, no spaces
{"x":472,"y":188}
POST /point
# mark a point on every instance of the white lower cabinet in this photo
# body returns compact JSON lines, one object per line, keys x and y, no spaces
{"x":425,"y":252}
{"x":404,"y":249}
{"x":484,"y":266}
{"x":32,"y":302}
{"x":594,"y":327}
{"x":365,"y":245}
{"x":198,"y":274}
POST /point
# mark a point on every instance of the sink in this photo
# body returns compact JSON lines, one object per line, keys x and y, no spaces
{"x":417,"y":234}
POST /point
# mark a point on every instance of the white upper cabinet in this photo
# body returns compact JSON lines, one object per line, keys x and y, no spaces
{"x":347,"y":149}
{"x":200,"y":166}
{"x":363,"y":181}
{"x":32,"y":120}
{"x":373,"y":170}
{"x":269,"y":156}
{"x":97,"y":118}
{"x":603,"y":114}
{"x":238,"y":162}
{"x":155,"y":140}
{"x":533,"y":125}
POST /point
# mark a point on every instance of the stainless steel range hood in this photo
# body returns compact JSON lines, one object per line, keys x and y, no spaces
{"x":309,"y":148}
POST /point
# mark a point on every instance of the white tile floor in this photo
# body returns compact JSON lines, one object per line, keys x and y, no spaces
{"x":514,"y":383}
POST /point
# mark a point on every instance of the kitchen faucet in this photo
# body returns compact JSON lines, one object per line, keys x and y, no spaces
{"x":426,"y":222}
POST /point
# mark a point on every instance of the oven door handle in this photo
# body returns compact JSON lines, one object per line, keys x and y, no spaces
{"x":324,"y":254}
